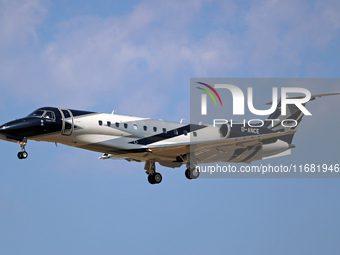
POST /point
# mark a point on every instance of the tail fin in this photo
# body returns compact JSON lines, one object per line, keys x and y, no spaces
{"x":293,"y":117}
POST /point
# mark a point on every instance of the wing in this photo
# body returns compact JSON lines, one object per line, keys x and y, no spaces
{"x":206,"y":149}
{"x":213,"y":149}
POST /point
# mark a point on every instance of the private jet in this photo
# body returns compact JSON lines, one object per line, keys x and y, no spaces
{"x":146,"y":140}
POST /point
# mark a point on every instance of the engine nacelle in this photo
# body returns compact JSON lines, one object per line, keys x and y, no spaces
{"x":238,"y":130}
{"x":225,"y":130}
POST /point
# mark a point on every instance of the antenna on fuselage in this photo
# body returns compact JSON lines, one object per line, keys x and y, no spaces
{"x":113,"y":112}
{"x":181,"y":121}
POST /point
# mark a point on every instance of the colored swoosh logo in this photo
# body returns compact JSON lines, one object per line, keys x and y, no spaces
{"x":209,"y":93}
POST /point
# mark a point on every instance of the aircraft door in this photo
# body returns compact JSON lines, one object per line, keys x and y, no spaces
{"x":67,"y":126}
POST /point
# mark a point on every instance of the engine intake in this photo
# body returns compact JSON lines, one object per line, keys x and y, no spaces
{"x":225,"y":130}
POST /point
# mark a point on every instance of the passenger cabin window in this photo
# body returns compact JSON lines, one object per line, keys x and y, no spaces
{"x":135,"y":127}
{"x":109,"y":124}
{"x":145,"y":128}
{"x":154,"y":129}
{"x":185,"y":132}
{"x":100,"y":123}
{"x":117,"y":124}
{"x":164,"y":130}
{"x":125,"y":125}
{"x":195,"y":134}
{"x":175,"y":132}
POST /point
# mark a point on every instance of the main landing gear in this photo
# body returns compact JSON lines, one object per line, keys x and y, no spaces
{"x":192,"y":172}
{"x":23,"y":154}
{"x":153,"y":176}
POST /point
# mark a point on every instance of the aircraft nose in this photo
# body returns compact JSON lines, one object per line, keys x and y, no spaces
{"x":15,"y":127}
{"x":2,"y":129}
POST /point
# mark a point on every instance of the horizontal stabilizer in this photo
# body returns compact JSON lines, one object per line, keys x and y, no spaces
{"x":312,"y":97}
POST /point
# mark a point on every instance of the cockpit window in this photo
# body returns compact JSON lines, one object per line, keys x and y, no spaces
{"x":43,"y":114}
{"x":38,"y":113}
{"x":49,"y":115}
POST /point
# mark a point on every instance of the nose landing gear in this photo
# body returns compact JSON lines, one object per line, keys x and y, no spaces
{"x":23,"y":154}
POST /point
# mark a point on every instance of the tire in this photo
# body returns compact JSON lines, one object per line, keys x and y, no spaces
{"x":24,"y":154}
{"x":194,"y":173}
{"x":157,"y":178}
{"x":150,"y":179}
{"x":187,"y":174}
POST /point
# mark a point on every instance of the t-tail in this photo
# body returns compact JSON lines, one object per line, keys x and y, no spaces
{"x":289,"y":122}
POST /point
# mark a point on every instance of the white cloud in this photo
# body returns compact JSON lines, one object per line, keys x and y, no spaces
{"x":148,"y":54}
{"x":283,"y":34}
{"x":18,"y":21}
{"x":147,"y":48}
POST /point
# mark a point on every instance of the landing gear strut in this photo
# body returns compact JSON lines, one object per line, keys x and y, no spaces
{"x":153,"y":176}
{"x":23,"y":154}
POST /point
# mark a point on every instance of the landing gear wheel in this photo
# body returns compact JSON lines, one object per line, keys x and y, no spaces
{"x":155,"y":178}
{"x":150,"y":179}
{"x":192,"y":173}
{"x":187,"y":174}
{"x":22,"y":155}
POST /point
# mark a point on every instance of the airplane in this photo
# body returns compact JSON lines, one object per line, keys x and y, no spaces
{"x":146,"y":140}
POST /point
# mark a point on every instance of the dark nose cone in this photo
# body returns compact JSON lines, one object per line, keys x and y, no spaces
{"x":18,"y":127}
{"x":2,"y":129}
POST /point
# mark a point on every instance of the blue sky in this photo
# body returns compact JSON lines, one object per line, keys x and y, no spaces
{"x":137,"y":57}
